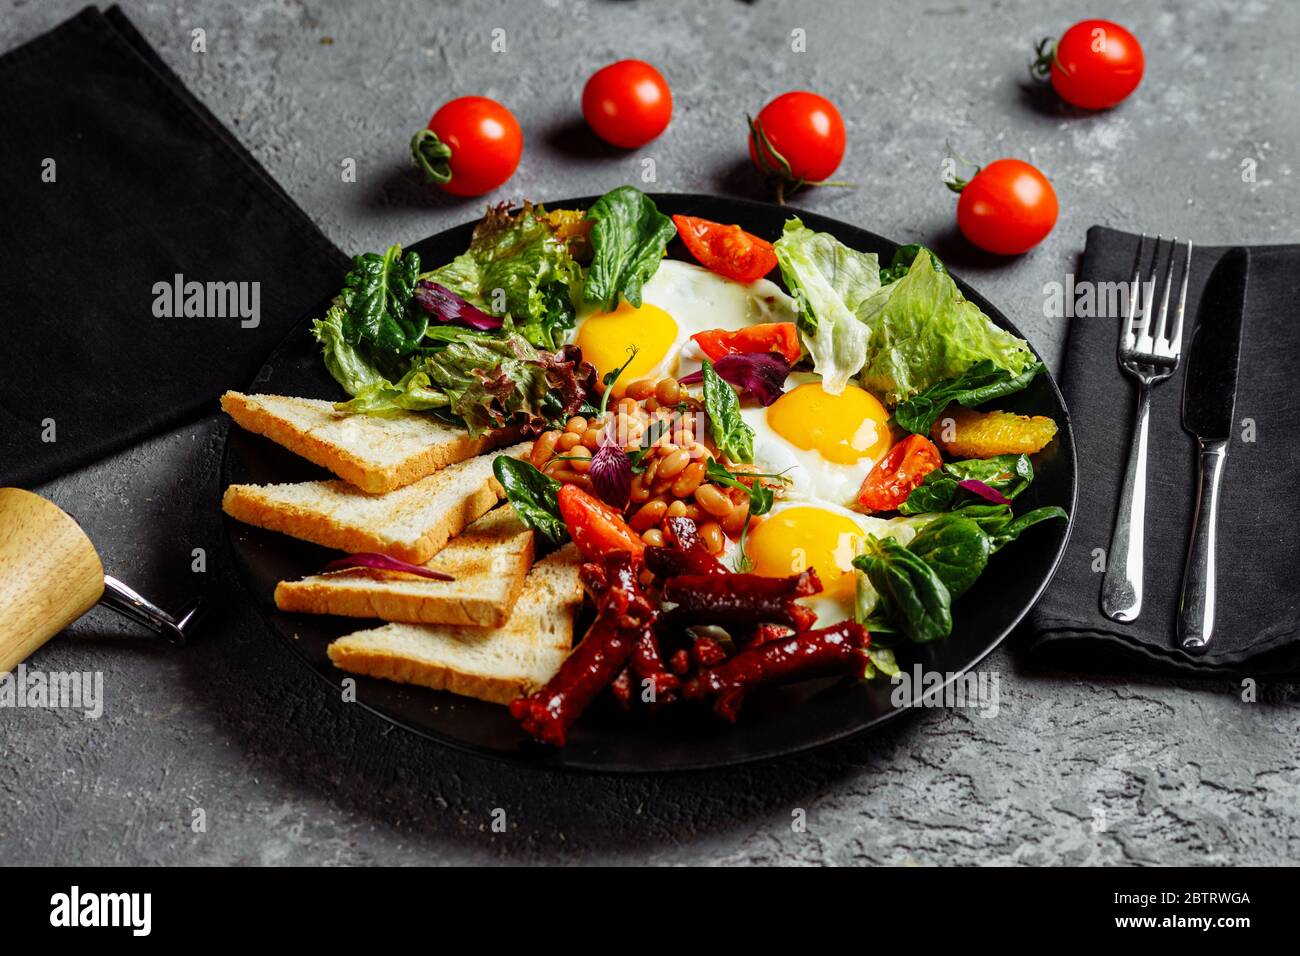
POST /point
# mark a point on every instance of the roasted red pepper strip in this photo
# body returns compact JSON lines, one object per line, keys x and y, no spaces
{"x":768,"y":632}
{"x":622,"y":688}
{"x":648,"y":666}
{"x":672,"y":562}
{"x":839,"y":649}
{"x":708,"y":652}
{"x":623,"y":617}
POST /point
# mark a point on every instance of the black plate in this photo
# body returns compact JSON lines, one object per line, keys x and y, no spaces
{"x":775,"y":722}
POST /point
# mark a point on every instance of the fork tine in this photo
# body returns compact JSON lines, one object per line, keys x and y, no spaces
{"x":1176,"y":336}
{"x":1126,"y":337}
{"x":1143,"y":331}
{"x":1158,"y":336}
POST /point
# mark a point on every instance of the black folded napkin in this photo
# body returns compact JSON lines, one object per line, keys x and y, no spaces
{"x":116,"y":180}
{"x":1257,"y":631}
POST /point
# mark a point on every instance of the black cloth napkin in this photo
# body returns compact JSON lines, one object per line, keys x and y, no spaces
{"x":145,"y":184}
{"x":1257,"y":631}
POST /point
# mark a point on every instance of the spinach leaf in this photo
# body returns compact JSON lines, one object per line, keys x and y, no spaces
{"x":978,"y":384}
{"x":1012,"y":530}
{"x":761,"y":496}
{"x":628,"y":238}
{"x":912,"y":595}
{"x":534,"y":496}
{"x":956,"y":548}
{"x":1008,"y":474}
{"x":902,"y":261}
{"x":991,"y":518}
{"x":733,"y":437}
{"x":376,"y":300}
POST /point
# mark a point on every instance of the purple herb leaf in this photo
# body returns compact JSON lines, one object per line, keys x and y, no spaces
{"x":977,"y":487}
{"x":760,"y":375}
{"x":382,"y":562}
{"x":447,"y":307}
{"x":611,"y":473}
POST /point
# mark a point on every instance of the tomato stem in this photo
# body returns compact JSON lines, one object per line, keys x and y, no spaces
{"x":1040,"y":68}
{"x":777,"y":167}
{"x":431,"y":156}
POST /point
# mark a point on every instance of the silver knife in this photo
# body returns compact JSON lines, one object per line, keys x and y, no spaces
{"x":1209,"y":393}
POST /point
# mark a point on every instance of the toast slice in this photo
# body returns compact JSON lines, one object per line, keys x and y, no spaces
{"x":411,"y":523}
{"x":493,"y":664}
{"x":489,"y":561}
{"x":378,"y":454}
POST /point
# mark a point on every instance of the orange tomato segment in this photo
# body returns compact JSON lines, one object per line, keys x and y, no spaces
{"x":889,"y":483}
{"x":727,"y":250}
{"x":780,"y":337}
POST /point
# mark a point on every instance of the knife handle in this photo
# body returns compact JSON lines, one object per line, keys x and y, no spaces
{"x":1121,"y":588}
{"x":1196,"y":608}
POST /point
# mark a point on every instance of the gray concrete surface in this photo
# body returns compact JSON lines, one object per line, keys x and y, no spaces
{"x":1073,"y":770}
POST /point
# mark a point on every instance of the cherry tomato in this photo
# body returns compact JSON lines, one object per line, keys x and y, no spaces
{"x":889,"y":483}
{"x":1007,"y":208}
{"x":485,"y":143}
{"x":806,"y":130}
{"x":780,"y":337}
{"x":1097,"y":64}
{"x":596,"y":528}
{"x":727,"y":250}
{"x":627,"y":103}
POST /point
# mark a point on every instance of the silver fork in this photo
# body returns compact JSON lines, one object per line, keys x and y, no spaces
{"x":1149,"y":356}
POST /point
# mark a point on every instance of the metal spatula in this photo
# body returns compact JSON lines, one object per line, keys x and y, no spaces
{"x":50,"y":575}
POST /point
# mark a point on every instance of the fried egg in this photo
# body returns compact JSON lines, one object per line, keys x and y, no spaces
{"x":680,"y":300}
{"x":797,"y":535}
{"x":824,"y":444}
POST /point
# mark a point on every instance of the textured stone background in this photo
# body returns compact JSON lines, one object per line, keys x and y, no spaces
{"x":1185,"y":773}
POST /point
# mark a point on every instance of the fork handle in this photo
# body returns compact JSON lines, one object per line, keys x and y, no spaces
{"x":1121,"y":588}
{"x":1196,"y":608}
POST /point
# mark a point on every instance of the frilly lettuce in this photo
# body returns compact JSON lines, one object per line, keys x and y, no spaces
{"x":831,"y":284}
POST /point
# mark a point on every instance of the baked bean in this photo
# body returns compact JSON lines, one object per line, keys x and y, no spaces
{"x":653,"y":537}
{"x":651,"y":404}
{"x":734,"y":522}
{"x":674,"y":463}
{"x":689,"y":480}
{"x":640,"y":490}
{"x":566,"y":441}
{"x":567,"y":476}
{"x":712,"y":500}
{"x":582,"y":459}
{"x":677,"y":509}
{"x":693,"y":512}
{"x":649,"y":515}
{"x":651,"y":470}
{"x":577,"y":425}
{"x":641,"y":389}
{"x":711,"y":534}
{"x":591,"y":438}
{"x":628,"y":406}
{"x":544,"y":448}
{"x":668,"y":392}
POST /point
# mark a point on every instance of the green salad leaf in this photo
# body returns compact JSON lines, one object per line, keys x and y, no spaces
{"x":956,"y":548}
{"x":922,"y":331}
{"x":516,"y":265}
{"x":912,"y":595}
{"x":831,"y":284}
{"x":535,"y":497}
{"x":733,"y":437}
{"x":376,"y":301}
{"x":980,"y":383}
{"x":902,"y":261}
{"x":1013,"y":529}
{"x":939,"y":491}
{"x":629,"y":236}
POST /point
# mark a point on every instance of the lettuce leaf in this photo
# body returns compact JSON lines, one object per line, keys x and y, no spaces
{"x":922,"y":332}
{"x":831,"y":283}
{"x":629,"y":236}
{"x":376,"y":302}
{"x":516,"y":265}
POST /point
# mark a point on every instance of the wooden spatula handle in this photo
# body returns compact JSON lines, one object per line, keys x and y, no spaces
{"x":50,"y":574}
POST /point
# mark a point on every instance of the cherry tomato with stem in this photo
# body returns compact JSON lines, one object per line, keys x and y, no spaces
{"x":1095,"y":65}
{"x":727,"y":250}
{"x":628,"y":103}
{"x":798,"y":140}
{"x":1006,"y":208}
{"x":471,"y":146}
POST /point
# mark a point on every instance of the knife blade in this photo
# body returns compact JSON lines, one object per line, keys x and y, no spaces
{"x":1209,"y":395}
{"x":1210,"y":386}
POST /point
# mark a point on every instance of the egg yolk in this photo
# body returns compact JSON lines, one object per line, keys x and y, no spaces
{"x":606,"y":337}
{"x":804,"y":537}
{"x":842,"y":428}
